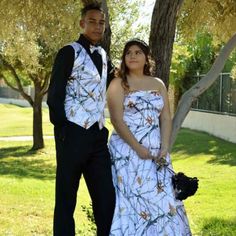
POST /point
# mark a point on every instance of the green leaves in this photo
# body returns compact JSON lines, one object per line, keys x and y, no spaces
{"x":214,"y":16}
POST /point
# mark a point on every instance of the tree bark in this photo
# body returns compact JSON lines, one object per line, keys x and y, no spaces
{"x":86,"y":2}
{"x":196,"y":90}
{"x":38,"y":142}
{"x":177,"y":97}
{"x":106,"y":42}
{"x":162,"y":34}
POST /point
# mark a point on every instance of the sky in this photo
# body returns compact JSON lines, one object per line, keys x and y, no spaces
{"x":146,"y":11}
{"x":146,"y":15}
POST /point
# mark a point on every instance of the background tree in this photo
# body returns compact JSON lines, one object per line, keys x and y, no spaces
{"x":125,"y":24}
{"x":31,"y":33}
{"x":213,"y":16}
{"x":179,"y":64}
{"x":201,"y":86}
{"x":189,"y":59}
{"x":217,"y":18}
{"x":162,"y":34}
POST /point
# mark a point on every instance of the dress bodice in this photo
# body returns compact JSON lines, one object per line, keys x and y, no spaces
{"x":143,"y":108}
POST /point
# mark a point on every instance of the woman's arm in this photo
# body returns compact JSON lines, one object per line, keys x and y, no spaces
{"x":115,"y":99}
{"x":165,"y":122}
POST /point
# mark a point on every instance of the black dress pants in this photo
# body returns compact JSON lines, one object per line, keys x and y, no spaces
{"x":80,"y":151}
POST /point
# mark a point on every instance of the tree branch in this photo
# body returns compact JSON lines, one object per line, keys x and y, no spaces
{"x":45,"y":84}
{"x":19,"y":88}
{"x":9,"y":84}
{"x":32,"y":78}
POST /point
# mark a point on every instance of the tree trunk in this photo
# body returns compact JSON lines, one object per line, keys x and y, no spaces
{"x":106,"y":42}
{"x":162,"y":34}
{"x":38,"y":142}
{"x":86,"y":2}
{"x":196,"y":90}
{"x":177,"y":96}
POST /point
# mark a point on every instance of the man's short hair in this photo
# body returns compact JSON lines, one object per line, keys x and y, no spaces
{"x":93,"y":6}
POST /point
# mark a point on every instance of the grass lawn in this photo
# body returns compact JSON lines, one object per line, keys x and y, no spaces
{"x":27,"y":190}
{"x":212,"y":211}
{"x":18,"y":121}
{"x":27,"y":182}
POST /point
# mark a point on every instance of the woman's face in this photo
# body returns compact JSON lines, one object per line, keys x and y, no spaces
{"x":135,"y":58}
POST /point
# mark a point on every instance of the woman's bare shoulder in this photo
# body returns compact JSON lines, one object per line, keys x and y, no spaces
{"x":116,"y":84}
{"x":116,"y":81}
{"x":158,"y":83}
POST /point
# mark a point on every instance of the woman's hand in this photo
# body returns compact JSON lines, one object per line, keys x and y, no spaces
{"x":163,"y":152}
{"x":161,"y":157}
{"x":143,"y":153}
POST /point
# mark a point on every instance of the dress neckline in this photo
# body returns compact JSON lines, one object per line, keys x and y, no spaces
{"x":145,"y":91}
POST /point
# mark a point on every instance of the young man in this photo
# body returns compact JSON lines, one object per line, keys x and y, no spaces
{"x":76,"y":100}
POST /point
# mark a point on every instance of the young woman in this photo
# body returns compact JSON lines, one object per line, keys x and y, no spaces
{"x":139,"y":110}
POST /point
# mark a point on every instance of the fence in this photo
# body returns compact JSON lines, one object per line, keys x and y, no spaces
{"x":220,"y":97}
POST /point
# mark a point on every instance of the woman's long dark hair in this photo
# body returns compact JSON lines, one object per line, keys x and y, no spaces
{"x":124,"y":71}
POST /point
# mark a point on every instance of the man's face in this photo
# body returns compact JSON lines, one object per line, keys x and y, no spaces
{"x":93,"y":25}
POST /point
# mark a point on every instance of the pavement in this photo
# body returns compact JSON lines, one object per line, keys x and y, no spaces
{"x":22,"y":138}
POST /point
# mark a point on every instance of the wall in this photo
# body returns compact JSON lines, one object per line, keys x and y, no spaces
{"x":6,"y":92}
{"x":220,"y":125}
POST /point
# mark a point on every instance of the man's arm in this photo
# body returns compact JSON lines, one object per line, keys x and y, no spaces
{"x":57,"y":89}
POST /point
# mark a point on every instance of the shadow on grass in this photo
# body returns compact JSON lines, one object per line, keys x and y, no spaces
{"x":190,"y":142}
{"x":21,"y":162}
{"x":218,"y":227}
{"x":17,"y":151}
